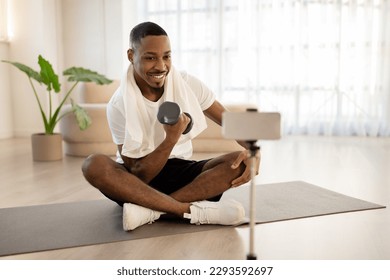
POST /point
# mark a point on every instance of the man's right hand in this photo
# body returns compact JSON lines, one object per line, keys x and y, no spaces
{"x":173,"y":132}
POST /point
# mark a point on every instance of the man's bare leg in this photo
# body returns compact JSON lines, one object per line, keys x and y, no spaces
{"x":116,"y":182}
{"x":216,"y":178}
{"x":144,"y":204}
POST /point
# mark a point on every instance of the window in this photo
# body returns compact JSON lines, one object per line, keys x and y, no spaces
{"x":325,"y":65}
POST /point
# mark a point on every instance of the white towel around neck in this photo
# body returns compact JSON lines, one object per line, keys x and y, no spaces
{"x":138,"y":129}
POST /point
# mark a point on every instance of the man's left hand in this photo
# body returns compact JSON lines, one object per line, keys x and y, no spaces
{"x":244,"y":157}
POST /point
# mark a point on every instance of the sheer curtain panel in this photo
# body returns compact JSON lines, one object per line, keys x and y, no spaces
{"x":324,"y":65}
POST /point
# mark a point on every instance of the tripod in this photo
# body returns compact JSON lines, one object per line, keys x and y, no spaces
{"x":253,"y":148}
{"x":265,"y":126}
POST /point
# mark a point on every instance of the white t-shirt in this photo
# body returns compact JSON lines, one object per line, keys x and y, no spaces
{"x":117,"y":121}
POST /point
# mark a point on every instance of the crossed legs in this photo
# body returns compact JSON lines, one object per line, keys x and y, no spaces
{"x":113,"y":180}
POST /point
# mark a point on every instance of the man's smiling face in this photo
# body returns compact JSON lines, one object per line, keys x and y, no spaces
{"x":151,"y":61}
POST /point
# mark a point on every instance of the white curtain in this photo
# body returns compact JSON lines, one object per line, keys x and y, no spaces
{"x":325,"y":65}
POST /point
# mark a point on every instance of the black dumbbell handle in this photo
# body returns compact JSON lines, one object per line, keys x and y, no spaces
{"x":189,"y":126}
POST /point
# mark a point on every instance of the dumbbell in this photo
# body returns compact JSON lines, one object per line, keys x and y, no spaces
{"x":169,"y":113}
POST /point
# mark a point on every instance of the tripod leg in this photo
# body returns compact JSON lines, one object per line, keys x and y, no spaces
{"x":252,"y":211}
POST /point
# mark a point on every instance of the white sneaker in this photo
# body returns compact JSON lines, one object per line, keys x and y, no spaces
{"x":225,"y":212}
{"x":135,"y":216}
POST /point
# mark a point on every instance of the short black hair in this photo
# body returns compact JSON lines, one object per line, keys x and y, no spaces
{"x":145,"y":29}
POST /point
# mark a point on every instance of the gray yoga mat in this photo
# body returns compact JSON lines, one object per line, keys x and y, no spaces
{"x":55,"y":226}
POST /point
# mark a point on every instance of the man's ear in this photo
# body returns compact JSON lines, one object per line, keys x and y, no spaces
{"x":130,"y":55}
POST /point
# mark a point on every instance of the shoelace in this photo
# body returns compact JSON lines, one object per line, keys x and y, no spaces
{"x":202,"y":216}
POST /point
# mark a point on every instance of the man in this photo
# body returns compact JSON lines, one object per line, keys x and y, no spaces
{"x":152,"y":175}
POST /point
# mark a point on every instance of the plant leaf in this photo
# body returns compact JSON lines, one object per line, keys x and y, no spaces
{"x":82,"y":117}
{"x":78,"y":74}
{"x":49,"y":77}
{"x":31,"y":73}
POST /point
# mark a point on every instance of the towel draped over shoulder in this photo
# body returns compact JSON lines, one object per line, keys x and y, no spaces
{"x":138,"y":142}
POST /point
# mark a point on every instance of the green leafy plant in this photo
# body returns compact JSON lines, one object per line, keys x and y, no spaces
{"x":49,"y":78}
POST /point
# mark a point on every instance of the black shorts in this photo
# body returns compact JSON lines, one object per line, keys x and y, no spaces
{"x":176,"y":174}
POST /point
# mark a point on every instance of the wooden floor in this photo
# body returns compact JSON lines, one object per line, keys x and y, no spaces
{"x":358,"y":167}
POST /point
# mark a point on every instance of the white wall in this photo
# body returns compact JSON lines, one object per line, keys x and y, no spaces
{"x":6,"y":130}
{"x":86,"y":33}
{"x":96,"y":33}
{"x":92,"y":31}
{"x":130,"y":18}
{"x":35,"y":32}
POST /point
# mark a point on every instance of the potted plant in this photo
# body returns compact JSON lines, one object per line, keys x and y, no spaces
{"x":48,"y":145}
